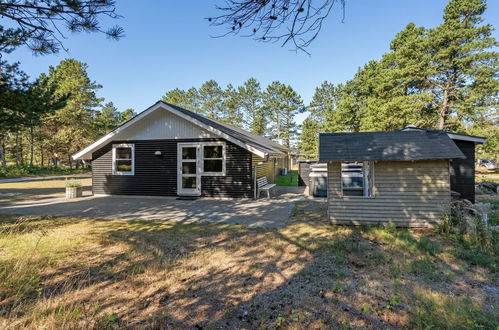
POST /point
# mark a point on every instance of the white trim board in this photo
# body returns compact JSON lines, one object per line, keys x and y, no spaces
{"x":86,"y":152}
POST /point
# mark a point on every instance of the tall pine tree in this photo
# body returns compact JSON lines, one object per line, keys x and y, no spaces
{"x":282,"y":104}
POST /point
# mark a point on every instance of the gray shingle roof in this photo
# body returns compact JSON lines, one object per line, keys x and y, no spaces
{"x":452,"y":135}
{"x":254,"y":140}
{"x":396,"y":145}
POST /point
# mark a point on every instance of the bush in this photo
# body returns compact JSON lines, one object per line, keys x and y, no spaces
{"x":73,"y":184}
{"x":471,"y":225}
{"x":23,"y":171}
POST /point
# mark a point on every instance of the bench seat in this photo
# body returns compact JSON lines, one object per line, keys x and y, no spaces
{"x":263,"y":185}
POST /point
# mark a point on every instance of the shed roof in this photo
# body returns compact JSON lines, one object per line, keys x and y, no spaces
{"x":452,"y":135}
{"x":396,"y":145}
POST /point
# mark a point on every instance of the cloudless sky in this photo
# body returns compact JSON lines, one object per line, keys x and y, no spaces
{"x":169,"y":44}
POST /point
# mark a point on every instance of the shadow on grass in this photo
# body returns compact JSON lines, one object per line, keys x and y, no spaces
{"x":308,"y":274}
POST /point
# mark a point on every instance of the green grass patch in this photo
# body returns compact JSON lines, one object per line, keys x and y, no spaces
{"x":435,"y":310}
{"x":26,"y":171}
{"x":289,"y":180}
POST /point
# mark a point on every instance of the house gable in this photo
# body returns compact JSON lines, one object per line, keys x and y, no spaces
{"x":163,"y":124}
{"x":150,"y":129}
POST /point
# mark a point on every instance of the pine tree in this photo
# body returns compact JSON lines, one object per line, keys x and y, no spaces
{"x":308,"y":144}
{"x":438,"y":78}
{"x":463,"y":66}
{"x":211,"y":99}
{"x":231,"y":108}
{"x":71,"y":128}
{"x":323,"y":102}
{"x":126,"y":115}
{"x":106,"y":119}
{"x":185,"y":99}
{"x":282,"y":104}
{"x":250,"y":95}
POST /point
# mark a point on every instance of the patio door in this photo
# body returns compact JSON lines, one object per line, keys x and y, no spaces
{"x":189,"y":169}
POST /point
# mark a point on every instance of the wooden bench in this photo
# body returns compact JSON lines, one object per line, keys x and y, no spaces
{"x":263,"y":185}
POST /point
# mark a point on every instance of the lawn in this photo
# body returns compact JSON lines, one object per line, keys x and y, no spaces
{"x":27,"y":171}
{"x":16,"y":192}
{"x":483,"y":174}
{"x":291,"y":179}
{"x":90,"y":273}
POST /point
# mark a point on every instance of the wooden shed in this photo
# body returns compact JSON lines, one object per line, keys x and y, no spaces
{"x":462,"y":171}
{"x":402,"y":177}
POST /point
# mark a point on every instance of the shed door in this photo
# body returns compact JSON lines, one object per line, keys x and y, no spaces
{"x":189,"y":169}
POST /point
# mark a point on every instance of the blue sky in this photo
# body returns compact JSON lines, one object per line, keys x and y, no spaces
{"x":169,"y":44}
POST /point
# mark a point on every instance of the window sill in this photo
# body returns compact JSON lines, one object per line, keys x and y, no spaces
{"x":123,"y":174}
{"x":357,"y":197}
{"x":213,"y":174}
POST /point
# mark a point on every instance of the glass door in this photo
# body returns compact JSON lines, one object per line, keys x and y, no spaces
{"x":189,"y":178}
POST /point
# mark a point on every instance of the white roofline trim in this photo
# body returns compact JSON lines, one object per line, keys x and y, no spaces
{"x":100,"y":142}
{"x":108,"y":136}
{"x":462,"y":137}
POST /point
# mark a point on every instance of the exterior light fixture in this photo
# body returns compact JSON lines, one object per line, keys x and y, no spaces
{"x":157,"y":153}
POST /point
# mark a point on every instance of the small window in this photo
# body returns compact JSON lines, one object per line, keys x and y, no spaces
{"x":357,"y":179}
{"x":214,"y":159}
{"x":123,"y":159}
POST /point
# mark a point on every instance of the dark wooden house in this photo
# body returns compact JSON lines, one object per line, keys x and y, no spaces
{"x":403,"y":177}
{"x":170,"y":151}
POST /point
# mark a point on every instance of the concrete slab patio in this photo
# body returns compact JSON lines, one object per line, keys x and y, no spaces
{"x":251,"y":213}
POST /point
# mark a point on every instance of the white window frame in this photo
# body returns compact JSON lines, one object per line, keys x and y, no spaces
{"x":124,"y":145}
{"x":202,"y":158}
{"x":368,"y":180}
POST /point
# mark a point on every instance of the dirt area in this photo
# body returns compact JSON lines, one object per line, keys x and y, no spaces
{"x":84,"y":273}
{"x":15,"y":192}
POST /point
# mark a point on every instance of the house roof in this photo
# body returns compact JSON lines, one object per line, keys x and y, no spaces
{"x":258,"y":145}
{"x":396,"y":145}
{"x":236,"y":132}
{"x":452,"y":135}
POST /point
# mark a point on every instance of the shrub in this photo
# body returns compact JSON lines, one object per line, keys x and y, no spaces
{"x":25,"y":170}
{"x":470,"y":225}
{"x":73,"y":184}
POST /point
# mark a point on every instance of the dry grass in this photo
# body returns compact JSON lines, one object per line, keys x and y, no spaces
{"x":34,"y":190}
{"x":88,"y":273}
{"x":483,"y":174}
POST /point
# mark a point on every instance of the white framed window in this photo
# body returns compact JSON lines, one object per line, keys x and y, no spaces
{"x":357,"y":179}
{"x":213,"y":158}
{"x":123,"y":159}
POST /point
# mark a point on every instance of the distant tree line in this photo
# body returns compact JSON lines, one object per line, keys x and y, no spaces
{"x":268,"y":112}
{"x":46,"y":121}
{"x":444,"y":78}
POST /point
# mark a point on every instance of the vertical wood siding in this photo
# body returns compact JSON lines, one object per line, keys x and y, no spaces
{"x":406,"y":193}
{"x":266,"y":169}
{"x":157,"y":176}
{"x":462,"y":171}
{"x":163,"y":125}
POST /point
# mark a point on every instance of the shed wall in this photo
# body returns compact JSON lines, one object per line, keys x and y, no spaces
{"x":406,"y":193}
{"x":462,"y":171}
